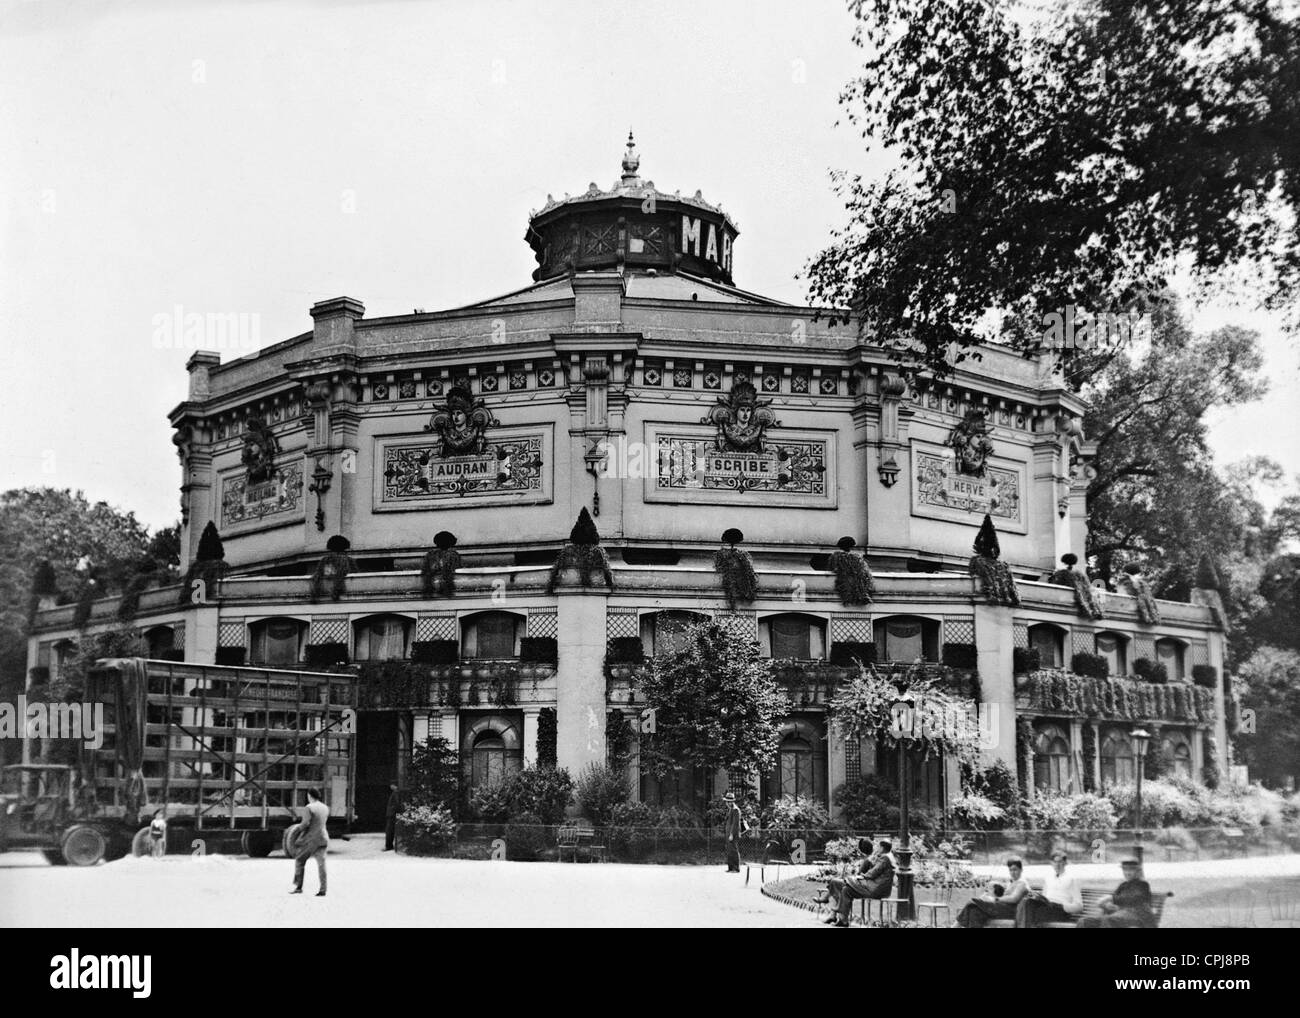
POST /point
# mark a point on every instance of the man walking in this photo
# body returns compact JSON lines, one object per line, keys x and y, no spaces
{"x":312,"y":842}
{"x":390,"y":816}
{"x":733,"y":828}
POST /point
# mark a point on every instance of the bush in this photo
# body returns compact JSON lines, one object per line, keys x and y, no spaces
{"x":999,"y":786}
{"x":424,"y":830}
{"x":599,"y":791}
{"x":1092,"y":666}
{"x":322,"y":655}
{"x":435,"y":652}
{"x":527,"y":837}
{"x":1177,"y":837}
{"x":1092,"y":813}
{"x":1049,"y":811}
{"x":542,"y":792}
{"x":538,"y":650}
{"x":1142,"y":668}
{"x":1163,"y":804}
{"x":959,"y":655}
{"x":799,"y":817}
{"x":868,"y":803}
{"x":233,"y":656}
{"x":852,"y":652}
{"x":624,"y":650}
{"x":1205,"y":675}
{"x":975,"y":812}
{"x":433,"y":777}
{"x":1025,"y":659}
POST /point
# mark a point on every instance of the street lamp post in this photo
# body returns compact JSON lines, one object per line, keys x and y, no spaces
{"x":1140,"y":737}
{"x":902,"y":712}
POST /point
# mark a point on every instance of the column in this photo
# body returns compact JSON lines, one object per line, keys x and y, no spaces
{"x":995,"y":643}
{"x":580,"y":680}
{"x":530,"y":735}
{"x":1220,"y":727}
{"x":1096,"y":757}
{"x":836,"y":772}
{"x":201,"y":634}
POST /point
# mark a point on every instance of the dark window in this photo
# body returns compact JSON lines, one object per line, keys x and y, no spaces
{"x":493,"y":635}
{"x":1117,"y":760}
{"x":1052,"y":760}
{"x":277,"y":641}
{"x":1113,"y":648}
{"x":382,"y":638}
{"x":797,"y":768}
{"x":1170,"y":654}
{"x":907,"y":638}
{"x":161,"y":639}
{"x":794,"y":636}
{"x":1178,"y":755}
{"x":1049,"y":641}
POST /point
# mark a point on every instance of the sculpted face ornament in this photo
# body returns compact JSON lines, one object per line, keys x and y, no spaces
{"x":260,"y":449}
{"x":970,"y":442}
{"x":742,"y":419}
{"x":461,"y":423}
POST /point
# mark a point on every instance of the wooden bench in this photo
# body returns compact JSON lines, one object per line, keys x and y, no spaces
{"x":1091,"y":908}
{"x":577,"y":839}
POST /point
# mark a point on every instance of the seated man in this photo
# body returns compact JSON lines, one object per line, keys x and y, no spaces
{"x":1059,"y":901}
{"x":994,"y":906}
{"x":874,"y":879}
{"x":1128,"y":907}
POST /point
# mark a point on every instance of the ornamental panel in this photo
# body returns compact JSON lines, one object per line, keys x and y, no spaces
{"x":506,"y":465}
{"x":851,"y":629}
{"x":231,"y":634}
{"x":543,"y":622}
{"x":621,"y":623}
{"x":278,"y":499}
{"x":435,"y":627}
{"x":942,"y":491}
{"x":328,"y":630}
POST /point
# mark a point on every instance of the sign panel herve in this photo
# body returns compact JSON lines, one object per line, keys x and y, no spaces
{"x":942,"y":490}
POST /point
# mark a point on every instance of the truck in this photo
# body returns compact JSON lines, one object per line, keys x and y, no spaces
{"x":226,"y":753}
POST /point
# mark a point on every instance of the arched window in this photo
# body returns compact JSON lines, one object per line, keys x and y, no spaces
{"x":64,"y":652}
{"x":382,"y":638}
{"x":796,"y":760}
{"x":1052,"y":759}
{"x":800,"y":769}
{"x":1114,"y":648}
{"x":277,"y":641}
{"x":492,"y":749}
{"x":491,"y":635}
{"x":1049,"y":641}
{"x":160,"y":641}
{"x":907,"y":638}
{"x":1177,"y":754}
{"x":792,"y":636}
{"x":1117,"y":767}
{"x":664,"y":632}
{"x":1170,"y":653}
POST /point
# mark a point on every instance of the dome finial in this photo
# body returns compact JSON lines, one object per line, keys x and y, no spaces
{"x":631,"y":163}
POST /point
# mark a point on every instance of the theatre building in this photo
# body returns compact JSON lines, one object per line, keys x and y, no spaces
{"x":634,"y":378}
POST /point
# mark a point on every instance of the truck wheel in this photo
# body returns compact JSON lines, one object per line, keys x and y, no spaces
{"x":54,"y":857}
{"x":291,"y":836}
{"x":141,"y":844}
{"x":84,"y":846}
{"x":259,"y":844}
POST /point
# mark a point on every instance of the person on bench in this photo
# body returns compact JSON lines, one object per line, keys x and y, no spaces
{"x":1129,"y":907}
{"x":874,"y":879}
{"x":1060,"y":900}
{"x":994,"y":906}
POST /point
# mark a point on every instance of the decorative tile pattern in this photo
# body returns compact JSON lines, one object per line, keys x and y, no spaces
{"x":281,"y":496}
{"x":406,"y":389}
{"x":1020,"y":635}
{"x":958,"y":631}
{"x":712,"y":380}
{"x":1144,"y":645}
{"x":421,"y":472}
{"x":518,"y":380}
{"x":178,"y":635}
{"x":851,"y":629}
{"x":749,"y":616}
{"x":546,"y":378}
{"x":1198,"y":654}
{"x":488,"y":383}
{"x":1085,"y":641}
{"x":799,"y":384}
{"x":829,"y":385}
{"x":771,"y":383}
{"x":852,"y":759}
{"x":434,"y":388}
{"x":653,"y":376}
{"x":231,"y":634}
{"x":379,"y":391}
{"x":435,"y":627}
{"x":621,"y":622}
{"x":682,"y":378}
{"x":543,"y":622}
{"x":328,"y":630}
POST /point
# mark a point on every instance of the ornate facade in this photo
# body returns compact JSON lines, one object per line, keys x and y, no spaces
{"x":635,"y":379}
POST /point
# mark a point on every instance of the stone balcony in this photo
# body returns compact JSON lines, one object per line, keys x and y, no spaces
{"x":472,"y":683}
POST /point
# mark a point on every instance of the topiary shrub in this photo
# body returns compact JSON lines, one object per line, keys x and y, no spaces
{"x":1132,"y":582}
{"x":868,"y":803}
{"x":624,"y":650}
{"x":852,"y":652}
{"x":1092,"y":666}
{"x":996,"y":581}
{"x":1084,"y":600}
{"x":435,"y":652}
{"x":1205,"y":675}
{"x":1142,"y":668}
{"x":736,"y":570}
{"x":438,"y":570}
{"x":231,"y":656}
{"x":1025,"y":659}
{"x":853,"y":581}
{"x":582,"y":553}
{"x":332,"y":569}
{"x":959,"y":655}
{"x":539,"y":650}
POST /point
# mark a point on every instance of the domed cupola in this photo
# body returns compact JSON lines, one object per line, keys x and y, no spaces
{"x":632,"y":227}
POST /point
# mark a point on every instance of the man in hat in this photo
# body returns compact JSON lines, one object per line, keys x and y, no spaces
{"x":733,"y":828}
{"x":1060,"y":900}
{"x":1129,"y":906}
{"x":390,"y":816}
{"x":312,"y":843}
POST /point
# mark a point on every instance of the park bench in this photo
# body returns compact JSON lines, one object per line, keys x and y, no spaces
{"x":575,"y":839}
{"x":1091,"y":907}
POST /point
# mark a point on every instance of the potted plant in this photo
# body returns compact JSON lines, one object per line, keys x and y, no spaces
{"x":736,"y":569}
{"x":853,"y":581}
{"x":438,"y":571}
{"x":581,"y":558}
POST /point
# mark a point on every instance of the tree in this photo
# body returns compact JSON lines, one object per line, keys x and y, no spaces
{"x":63,"y":528}
{"x":716,"y":705}
{"x":433,"y":776}
{"x":1269,"y":684}
{"x":1064,"y":160}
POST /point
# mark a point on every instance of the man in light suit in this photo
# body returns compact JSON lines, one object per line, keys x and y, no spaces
{"x":312,"y":842}
{"x":733,"y":828}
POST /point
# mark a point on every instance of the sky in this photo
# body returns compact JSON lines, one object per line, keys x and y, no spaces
{"x":251,"y":157}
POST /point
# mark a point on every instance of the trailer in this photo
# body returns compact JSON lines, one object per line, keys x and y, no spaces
{"x":227,"y":753}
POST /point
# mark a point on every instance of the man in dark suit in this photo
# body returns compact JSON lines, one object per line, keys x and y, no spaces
{"x":312,"y":842}
{"x":874,"y":879}
{"x":1129,"y":906}
{"x":390,"y":816}
{"x":733,"y":828}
